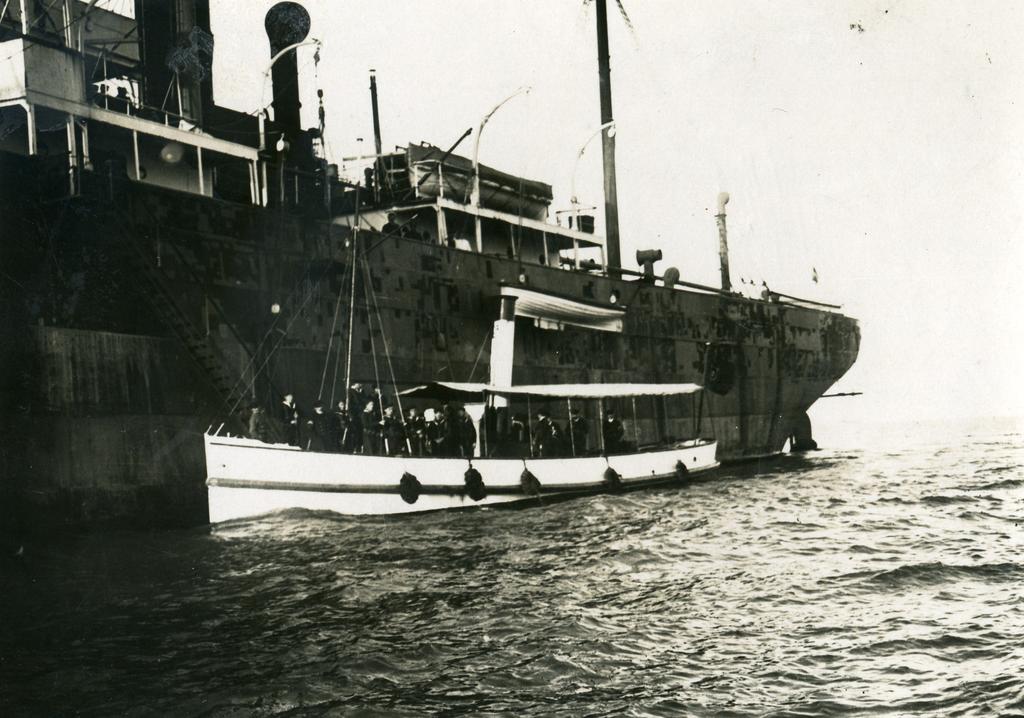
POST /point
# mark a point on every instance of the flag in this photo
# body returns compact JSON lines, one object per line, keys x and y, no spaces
{"x":814,"y":275}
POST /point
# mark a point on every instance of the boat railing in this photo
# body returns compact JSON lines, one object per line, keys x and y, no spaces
{"x":131,"y":107}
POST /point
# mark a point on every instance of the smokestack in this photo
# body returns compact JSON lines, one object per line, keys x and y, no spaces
{"x":723,"y":244}
{"x":503,"y":342}
{"x":287,"y":23}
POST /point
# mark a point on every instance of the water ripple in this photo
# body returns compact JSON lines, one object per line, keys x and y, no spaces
{"x":882,"y":580}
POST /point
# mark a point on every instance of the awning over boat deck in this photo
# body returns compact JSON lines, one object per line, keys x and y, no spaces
{"x":467,"y":391}
{"x":447,"y":391}
{"x":552,"y":311}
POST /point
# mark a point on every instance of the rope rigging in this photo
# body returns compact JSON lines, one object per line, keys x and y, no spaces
{"x":282,"y":334}
{"x":330,"y":341}
{"x":387,"y":353}
{"x":351,"y":304}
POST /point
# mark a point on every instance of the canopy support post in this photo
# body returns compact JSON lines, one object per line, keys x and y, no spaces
{"x":199,"y":162}
{"x":572,"y":438}
{"x":488,"y":398}
{"x":636,"y":425}
{"x":135,"y":155}
{"x":529,"y":423}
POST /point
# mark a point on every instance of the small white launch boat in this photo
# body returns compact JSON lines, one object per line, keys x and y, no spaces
{"x":246,"y":477}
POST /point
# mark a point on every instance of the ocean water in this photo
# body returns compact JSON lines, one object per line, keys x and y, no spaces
{"x":883,"y":577}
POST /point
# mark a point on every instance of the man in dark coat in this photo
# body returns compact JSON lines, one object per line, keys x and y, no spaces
{"x":546,"y":436}
{"x":613,"y":432}
{"x":392,"y":433}
{"x":259,"y":425}
{"x":356,"y":404}
{"x":372,"y":438}
{"x":433,"y":432}
{"x":345,"y":434}
{"x":415,"y":429}
{"x":577,"y":431}
{"x":357,"y":398}
{"x":322,"y":430}
{"x":462,"y":434}
{"x":516,"y":441}
{"x":290,"y":417}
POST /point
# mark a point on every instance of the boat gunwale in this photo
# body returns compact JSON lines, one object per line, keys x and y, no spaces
{"x":244,"y":443}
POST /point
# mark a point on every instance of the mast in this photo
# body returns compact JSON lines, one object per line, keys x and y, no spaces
{"x":378,"y":165}
{"x":723,"y":243}
{"x":611,"y":201}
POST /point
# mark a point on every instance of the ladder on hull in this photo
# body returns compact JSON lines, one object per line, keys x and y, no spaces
{"x":131,"y":246}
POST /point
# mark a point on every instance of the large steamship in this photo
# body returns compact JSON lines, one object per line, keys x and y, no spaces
{"x":167,"y":262}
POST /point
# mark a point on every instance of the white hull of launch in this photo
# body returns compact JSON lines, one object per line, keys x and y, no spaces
{"x":248,"y":478}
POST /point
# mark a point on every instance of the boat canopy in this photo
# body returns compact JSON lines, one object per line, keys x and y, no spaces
{"x":468,"y":391}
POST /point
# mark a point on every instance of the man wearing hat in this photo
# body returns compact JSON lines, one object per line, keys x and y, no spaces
{"x":392,"y":433}
{"x":415,"y":429}
{"x":433,"y":433}
{"x":356,"y":403}
{"x":323,"y":429}
{"x":546,"y":435}
{"x":462,"y":434}
{"x":577,"y":431}
{"x":344,"y":428}
{"x":612,"y":431}
{"x":371,"y":423}
{"x":259,"y":425}
{"x":290,"y":417}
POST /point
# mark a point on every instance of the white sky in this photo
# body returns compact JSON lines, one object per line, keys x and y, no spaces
{"x":890,"y":158}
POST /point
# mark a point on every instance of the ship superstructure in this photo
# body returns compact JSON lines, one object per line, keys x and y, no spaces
{"x":168,"y":262}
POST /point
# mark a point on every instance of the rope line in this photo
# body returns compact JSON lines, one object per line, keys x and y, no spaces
{"x":387,"y":353}
{"x":330,"y":343}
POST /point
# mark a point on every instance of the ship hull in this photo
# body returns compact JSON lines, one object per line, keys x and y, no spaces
{"x":105,"y":404}
{"x":248,"y":478}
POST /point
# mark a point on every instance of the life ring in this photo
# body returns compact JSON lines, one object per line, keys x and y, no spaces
{"x":612,"y":479}
{"x":529,"y":483}
{"x":409,"y":488}
{"x":474,"y":484}
{"x":681,"y":470}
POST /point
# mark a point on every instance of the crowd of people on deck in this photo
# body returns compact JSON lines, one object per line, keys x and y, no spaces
{"x":364,"y":424}
{"x":547,"y":438}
